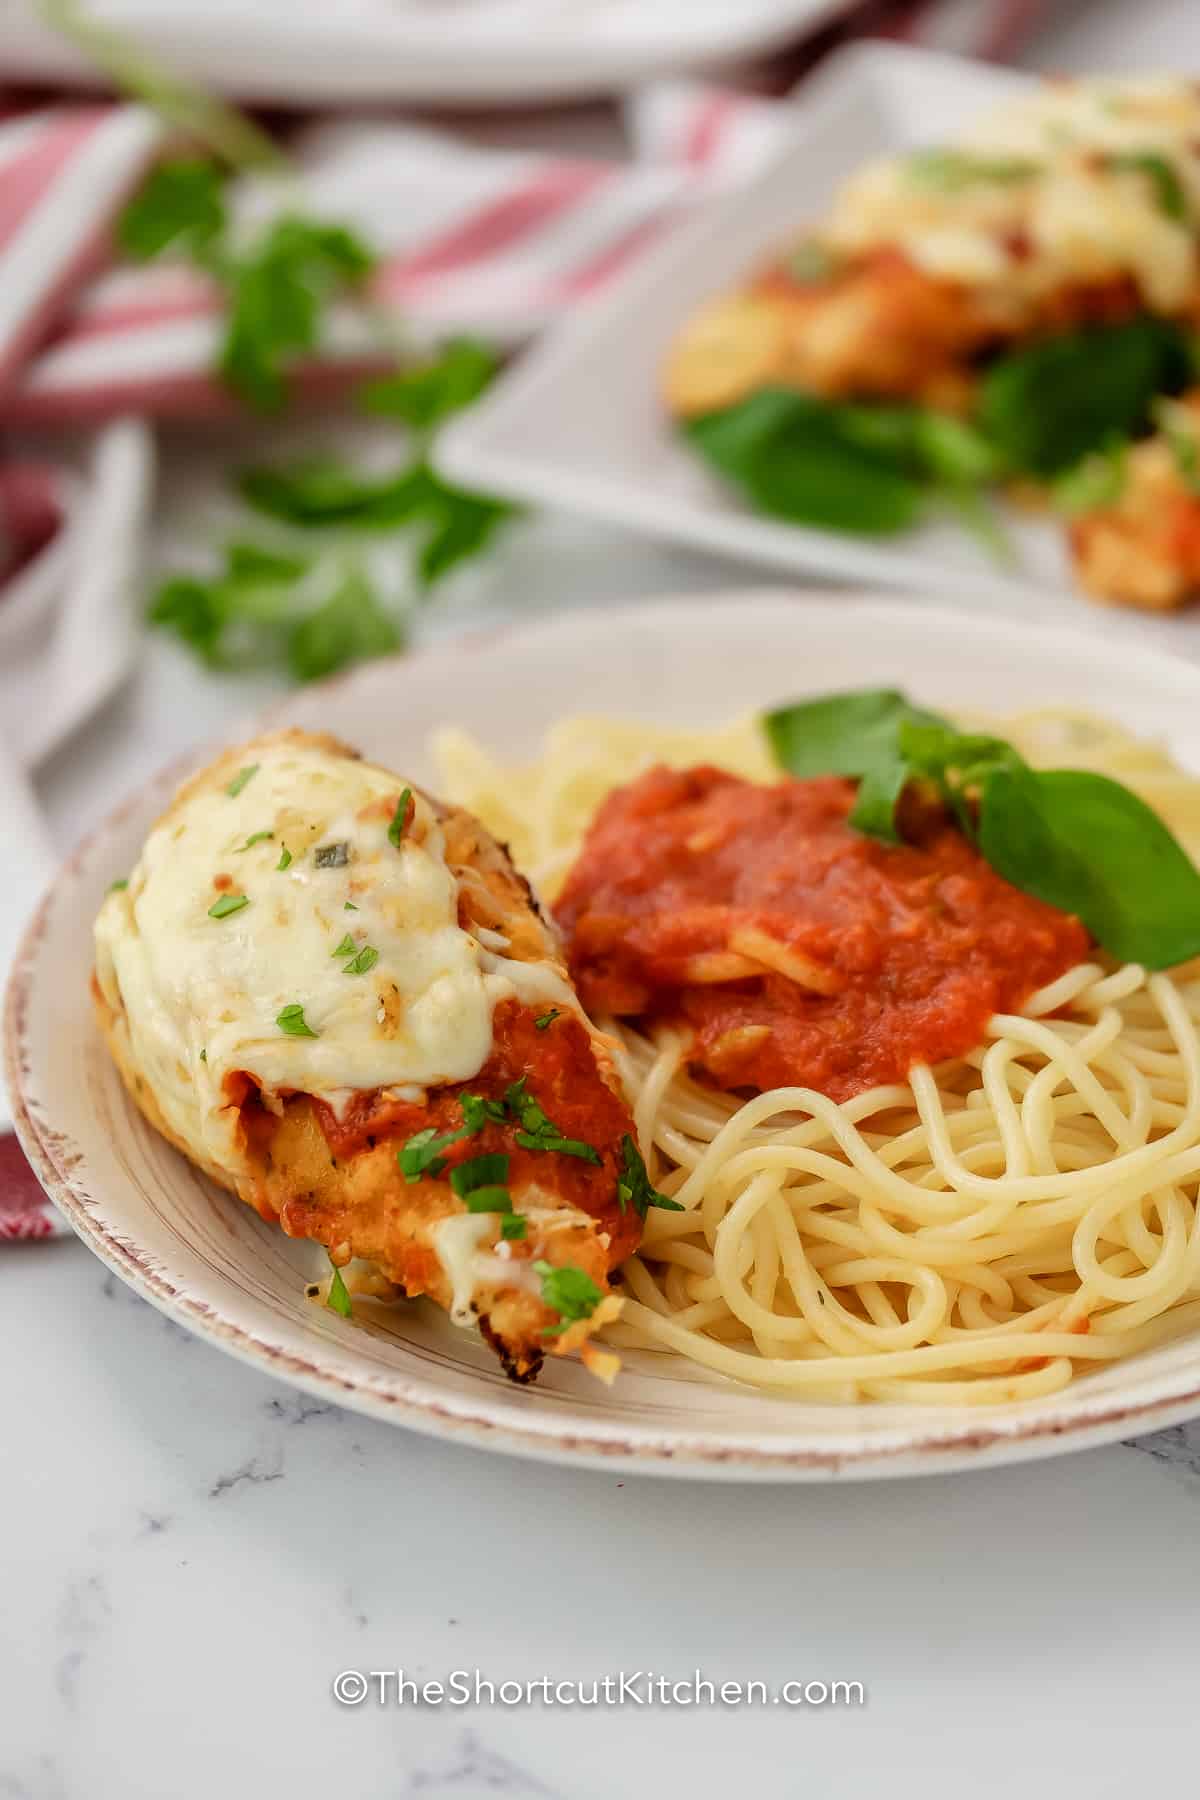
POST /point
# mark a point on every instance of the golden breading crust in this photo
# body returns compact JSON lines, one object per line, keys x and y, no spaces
{"x":334,"y":1178}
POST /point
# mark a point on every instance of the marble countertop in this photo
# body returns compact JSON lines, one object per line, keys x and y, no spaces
{"x":193,"y":1552}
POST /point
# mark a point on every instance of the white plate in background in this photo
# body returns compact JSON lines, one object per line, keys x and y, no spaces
{"x":210,"y":1262}
{"x":579,"y":422}
{"x":486,"y":52}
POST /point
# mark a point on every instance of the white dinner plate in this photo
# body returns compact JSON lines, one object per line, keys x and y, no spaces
{"x":486,"y":52}
{"x":579,"y":423}
{"x":213,"y":1265}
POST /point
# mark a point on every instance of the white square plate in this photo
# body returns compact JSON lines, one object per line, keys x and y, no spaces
{"x":579,"y":423}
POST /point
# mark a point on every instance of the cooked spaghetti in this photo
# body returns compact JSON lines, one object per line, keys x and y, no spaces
{"x":978,"y":1231}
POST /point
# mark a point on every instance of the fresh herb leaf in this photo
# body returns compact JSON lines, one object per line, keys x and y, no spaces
{"x":349,"y":906}
{"x":1180,"y":426}
{"x":537,"y":1132}
{"x":332,"y":856}
{"x":276,"y":291}
{"x":1163,"y":178}
{"x":1079,"y":841}
{"x":180,"y":207}
{"x":569,"y":1292}
{"x":204,"y":1056}
{"x":256,"y":837}
{"x":547,"y":1019}
{"x":347,"y":947}
{"x":400,"y":818}
{"x":479,"y":1172}
{"x":428,"y":392}
{"x":228,"y":903}
{"x":339,"y":1297}
{"x":489,"y":1199}
{"x":634,"y":1187}
{"x":513,"y":1227}
{"x":1047,"y":405}
{"x":118,"y":887}
{"x":364,"y":962}
{"x":324,"y":493}
{"x":793,"y":457}
{"x":478,"y":1112}
{"x":422,"y":1154}
{"x":285,"y":859}
{"x":952,"y":170}
{"x":240,"y":779}
{"x":350,"y":627}
{"x":292,"y":1021}
{"x":1097,"y":480}
{"x":463,"y":525}
{"x":841,"y":734}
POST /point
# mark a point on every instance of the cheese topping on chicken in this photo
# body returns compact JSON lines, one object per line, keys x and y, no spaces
{"x":293,"y":885}
{"x":1085,"y":180}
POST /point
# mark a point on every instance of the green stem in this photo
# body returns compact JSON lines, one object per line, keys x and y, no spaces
{"x":222,"y":128}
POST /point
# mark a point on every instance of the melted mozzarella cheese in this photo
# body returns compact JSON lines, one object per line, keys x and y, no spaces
{"x":1091,"y":209}
{"x":202,"y":996}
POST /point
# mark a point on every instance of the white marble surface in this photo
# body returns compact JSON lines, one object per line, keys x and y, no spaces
{"x":191,"y":1552}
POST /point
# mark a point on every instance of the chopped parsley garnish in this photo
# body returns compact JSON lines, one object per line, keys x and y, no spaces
{"x":349,"y":907}
{"x":478,"y":1112}
{"x":422,"y":1154}
{"x":228,"y":903}
{"x":537,"y":1132}
{"x":331,"y":856}
{"x":240,"y":779}
{"x":366,"y":959}
{"x":547,"y":1019}
{"x":285,"y":859}
{"x":339,"y":1296}
{"x":570,"y":1292}
{"x":1169,"y":194}
{"x":347,"y":947}
{"x":479,"y":1172}
{"x":256,"y":837}
{"x":204,"y":1056}
{"x":489,"y":1200}
{"x":292,"y":1020}
{"x":512,"y":1227}
{"x":399,"y":824}
{"x":117,"y":887}
{"x":634,"y":1187}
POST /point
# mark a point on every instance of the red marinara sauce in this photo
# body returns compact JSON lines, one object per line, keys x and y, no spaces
{"x":560,"y":1072}
{"x":686,"y":878}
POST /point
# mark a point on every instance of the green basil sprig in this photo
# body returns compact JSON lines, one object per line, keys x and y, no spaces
{"x":1077,"y":840}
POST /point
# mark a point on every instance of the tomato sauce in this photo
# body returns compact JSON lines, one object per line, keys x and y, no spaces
{"x":561,"y":1075}
{"x":686,"y":880}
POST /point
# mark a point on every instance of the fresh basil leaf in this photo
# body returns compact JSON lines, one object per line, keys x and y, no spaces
{"x":879,"y":791}
{"x":364,"y":962}
{"x":1051,"y":403}
{"x":843,"y":734}
{"x":463,"y":525}
{"x":513,"y":1227}
{"x":792,"y":457}
{"x":400,"y":819}
{"x":1086,"y":844}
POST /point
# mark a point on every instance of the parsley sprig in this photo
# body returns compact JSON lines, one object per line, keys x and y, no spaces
{"x":570,"y":1292}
